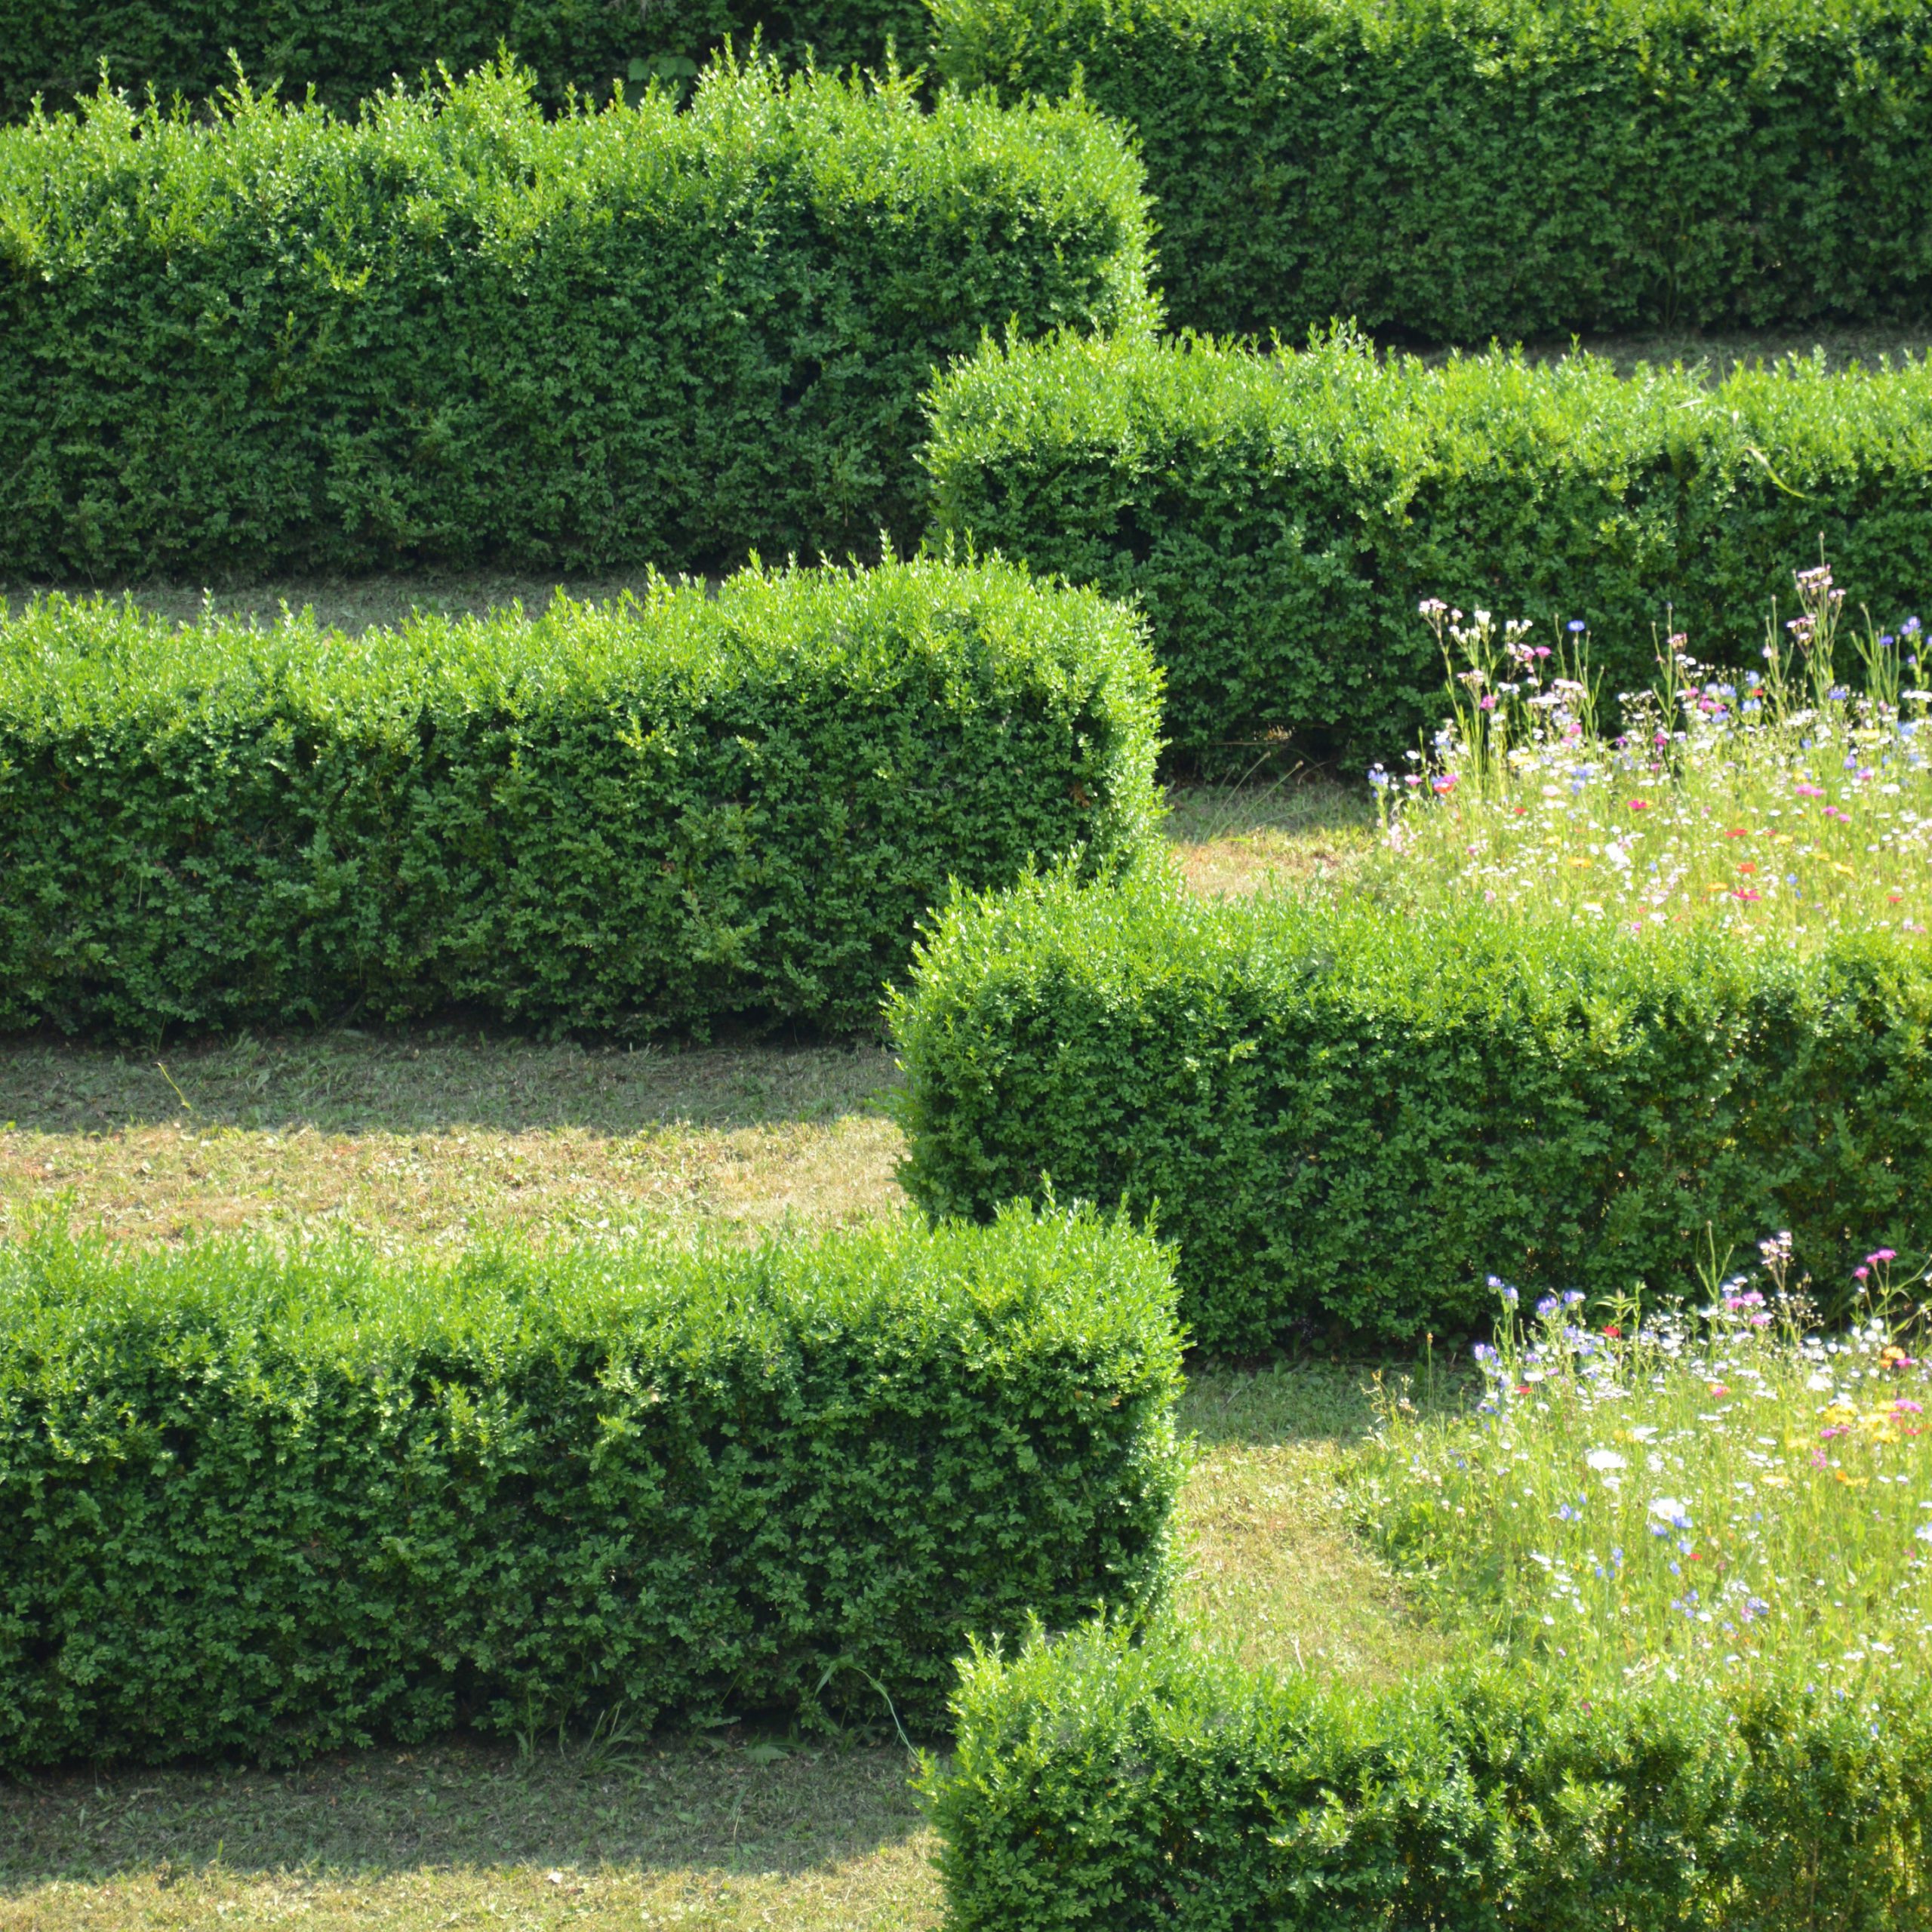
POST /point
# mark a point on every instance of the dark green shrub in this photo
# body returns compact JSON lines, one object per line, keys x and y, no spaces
{"x":632,"y":816}
{"x":452,"y":329}
{"x":255,"y":1504}
{"x":1098,"y":1783}
{"x":1347,"y":1117}
{"x":1446,"y":169}
{"x":55,"y":47}
{"x":1279,"y":518}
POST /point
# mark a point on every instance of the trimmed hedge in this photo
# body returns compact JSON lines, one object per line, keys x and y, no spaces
{"x":452,"y":329}
{"x":1099,"y":1783}
{"x":627,"y":817}
{"x":267,"y":1505}
{"x":1346,"y":1118}
{"x":1448,"y":170}
{"x":1279,"y":517}
{"x":55,"y":47}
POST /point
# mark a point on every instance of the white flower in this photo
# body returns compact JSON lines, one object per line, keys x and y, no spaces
{"x":1923,"y":1533}
{"x":1605,"y":1459}
{"x":1667,"y":1509}
{"x":1641,"y":1432}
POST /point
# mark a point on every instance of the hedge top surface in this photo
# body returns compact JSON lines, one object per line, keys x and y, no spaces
{"x":1340,"y":403}
{"x":67,"y":666}
{"x":77,"y":190}
{"x":1143,"y":938}
{"x":1509,"y":25}
{"x":347,"y":49}
{"x":71,"y":1308}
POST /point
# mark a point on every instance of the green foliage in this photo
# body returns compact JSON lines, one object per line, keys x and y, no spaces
{"x":273,"y":1506}
{"x":641,"y":815}
{"x":1280,"y":518}
{"x":1154,"y":1785}
{"x":1445,"y":170}
{"x":188,"y":47}
{"x":1347,"y":1118}
{"x":455,"y":330}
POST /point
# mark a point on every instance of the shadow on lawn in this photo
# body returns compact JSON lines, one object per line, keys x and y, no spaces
{"x":672,"y":1805}
{"x":346,"y":1083}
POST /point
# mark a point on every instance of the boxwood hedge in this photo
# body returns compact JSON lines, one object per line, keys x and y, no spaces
{"x":1280,"y":517}
{"x":454,"y":330}
{"x":346,"y":51}
{"x":1097,"y":1782}
{"x":650,"y":814}
{"x":271,"y":1505}
{"x":1446,"y":170}
{"x":1346,"y":1118}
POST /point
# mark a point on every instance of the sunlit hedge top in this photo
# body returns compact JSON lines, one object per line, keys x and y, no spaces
{"x":345,"y":49}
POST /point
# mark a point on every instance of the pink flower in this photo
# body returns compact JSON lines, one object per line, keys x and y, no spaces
{"x":1640,"y":804}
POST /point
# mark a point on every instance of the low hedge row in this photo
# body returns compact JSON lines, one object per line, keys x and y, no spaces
{"x":1279,"y":517}
{"x":454,"y":330}
{"x":1346,"y":1118}
{"x":640,"y":815}
{"x":1448,"y":170}
{"x":189,"y":47}
{"x":1098,"y":1783}
{"x":268,"y":1505}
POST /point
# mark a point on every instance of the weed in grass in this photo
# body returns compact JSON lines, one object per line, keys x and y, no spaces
{"x":1696,"y":1495}
{"x":1774,"y":801}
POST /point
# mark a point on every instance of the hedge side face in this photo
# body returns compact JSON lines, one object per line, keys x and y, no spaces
{"x":1152,"y":1786}
{"x":454,"y":330}
{"x":625,"y":817}
{"x":258,"y":1506}
{"x":1445,"y":170}
{"x":347,"y":51}
{"x":1345,"y":1121}
{"x":1280,"y":518}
